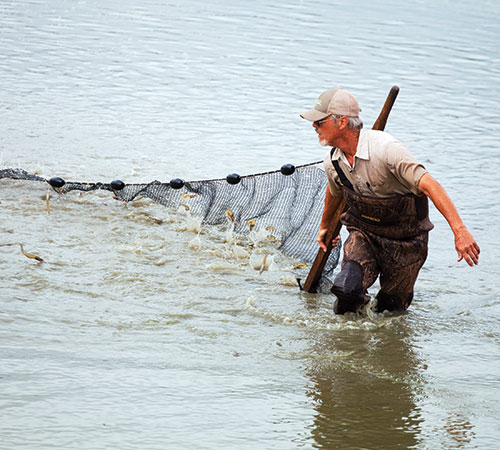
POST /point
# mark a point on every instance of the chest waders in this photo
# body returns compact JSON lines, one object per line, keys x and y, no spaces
{"x":387,"y":237}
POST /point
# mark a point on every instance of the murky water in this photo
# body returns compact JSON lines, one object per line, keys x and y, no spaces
{"x":134,"y":334}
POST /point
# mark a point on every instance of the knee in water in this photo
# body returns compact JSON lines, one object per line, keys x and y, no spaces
{"x":348,"y":287}
{"x":349,"y":282}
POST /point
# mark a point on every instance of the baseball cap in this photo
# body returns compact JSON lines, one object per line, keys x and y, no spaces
{"x":333,"y":101}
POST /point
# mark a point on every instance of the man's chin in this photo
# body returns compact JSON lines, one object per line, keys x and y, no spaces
{"x":323,"y":142}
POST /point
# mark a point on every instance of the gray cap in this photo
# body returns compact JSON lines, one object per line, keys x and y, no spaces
{"x":334,"y":101}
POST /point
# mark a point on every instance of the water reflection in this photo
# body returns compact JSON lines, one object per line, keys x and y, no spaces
{"x":364,"y":385}
{"x":459,"y":430}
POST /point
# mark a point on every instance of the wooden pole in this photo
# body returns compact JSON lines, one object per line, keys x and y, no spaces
{"x":311,"y":283}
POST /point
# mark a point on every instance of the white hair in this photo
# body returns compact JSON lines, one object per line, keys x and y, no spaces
{"x":355,"y":123}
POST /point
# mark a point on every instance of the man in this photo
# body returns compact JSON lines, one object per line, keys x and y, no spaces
{"x":386,"y":192}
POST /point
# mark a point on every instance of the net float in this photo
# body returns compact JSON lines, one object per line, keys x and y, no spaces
{"x":287,"y":169}
{"x":233,"y":178}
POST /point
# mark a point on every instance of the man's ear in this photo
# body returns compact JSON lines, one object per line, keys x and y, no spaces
{"x":343,"y":122}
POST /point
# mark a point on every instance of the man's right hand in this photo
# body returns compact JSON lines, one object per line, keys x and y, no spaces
{"x":331,"y":206}
{"x":321,"y":239}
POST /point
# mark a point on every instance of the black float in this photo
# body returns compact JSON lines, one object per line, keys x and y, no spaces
{"x":233,"y":178}
{"x":117,"y":185}
{"x":57,"y":182}
{"x":287,"y":169}
{"x":176,"y":183}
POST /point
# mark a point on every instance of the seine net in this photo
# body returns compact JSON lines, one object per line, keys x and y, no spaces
{"x":289,"y":205}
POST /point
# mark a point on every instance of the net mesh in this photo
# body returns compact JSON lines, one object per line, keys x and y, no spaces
{"x":289,"y":205}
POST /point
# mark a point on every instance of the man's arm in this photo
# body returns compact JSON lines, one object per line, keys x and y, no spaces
{"x":331,"y":205}
{"x":465,"y":244}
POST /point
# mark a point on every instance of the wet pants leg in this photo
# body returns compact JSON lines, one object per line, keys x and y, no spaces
{"x":400,"y":262}
{"x":365,"y":257}
{"x":397,"y":282}
{"x":359,"y":271}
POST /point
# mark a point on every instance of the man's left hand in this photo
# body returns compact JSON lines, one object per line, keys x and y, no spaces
{"x":466,"y":247}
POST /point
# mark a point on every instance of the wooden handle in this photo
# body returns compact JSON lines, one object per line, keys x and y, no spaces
{"x":386,"y":109}
{"x":311,"y":283}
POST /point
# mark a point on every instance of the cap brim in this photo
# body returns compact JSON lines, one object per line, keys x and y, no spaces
{"x":313,"y":115}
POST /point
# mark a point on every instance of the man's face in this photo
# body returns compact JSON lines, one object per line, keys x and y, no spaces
{"x":327,"y":129}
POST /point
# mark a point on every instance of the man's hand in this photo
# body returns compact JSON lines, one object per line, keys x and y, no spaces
{"x":331,"y":206}
{"x":465,"y":244}
{"x":466,"y":247}
{"x":321,"y":239}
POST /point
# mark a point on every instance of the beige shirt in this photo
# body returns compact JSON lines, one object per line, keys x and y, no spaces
{"x":382,"y":167}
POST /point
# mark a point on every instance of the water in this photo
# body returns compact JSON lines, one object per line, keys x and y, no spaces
{"x":132,"y":334}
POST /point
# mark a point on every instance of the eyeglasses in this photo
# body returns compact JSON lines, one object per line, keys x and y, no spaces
{"x":320,"y":122}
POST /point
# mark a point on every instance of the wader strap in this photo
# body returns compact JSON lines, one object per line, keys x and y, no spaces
{"x":340,"y":173}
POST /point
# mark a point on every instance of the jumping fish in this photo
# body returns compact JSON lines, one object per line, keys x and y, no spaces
{"x":187,"y":196}
{"x":154,"y":219}
{"x":47,"y":202}
{"x":263,"y":266}
{"x":29,"y":255}
{"x":230,"y":215}
{"x":251,"y":223}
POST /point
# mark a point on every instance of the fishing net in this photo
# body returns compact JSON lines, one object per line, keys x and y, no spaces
{"x":289,"y":202}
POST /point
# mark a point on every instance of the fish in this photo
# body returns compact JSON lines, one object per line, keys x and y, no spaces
{"x":251,"y":223}
{"x":187,"y":196}
{"x":299,"y":266}
{"x":30,"y":255}
{"x":230,"y":215}
{"x":154,"y":219}
{"x":263,"y":266}
{"x":47,"y":203}
{"x":137,"y":201}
